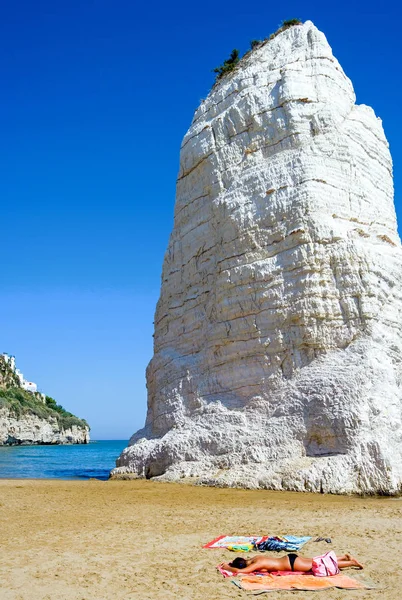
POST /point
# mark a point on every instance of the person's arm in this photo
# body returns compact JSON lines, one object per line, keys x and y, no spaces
{"x":248,"y":569}
{"x":229,"y":568}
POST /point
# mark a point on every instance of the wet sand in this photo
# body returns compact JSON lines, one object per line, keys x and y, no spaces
{"x":87,"y":540}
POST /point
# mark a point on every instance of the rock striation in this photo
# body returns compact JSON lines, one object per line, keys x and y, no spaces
{"x":277,"y":351}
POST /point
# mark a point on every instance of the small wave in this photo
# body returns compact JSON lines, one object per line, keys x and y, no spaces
{"x":102,"y":474}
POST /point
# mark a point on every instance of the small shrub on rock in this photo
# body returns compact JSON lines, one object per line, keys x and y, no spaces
{"x":228,"y":65}
{"x":290,"y":23}
{"x":286,"y":25}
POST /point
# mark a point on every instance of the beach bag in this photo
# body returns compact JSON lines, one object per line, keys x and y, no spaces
{"x":325,"y":565}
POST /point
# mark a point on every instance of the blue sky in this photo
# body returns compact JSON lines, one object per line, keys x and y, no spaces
{"x":96,"y":97}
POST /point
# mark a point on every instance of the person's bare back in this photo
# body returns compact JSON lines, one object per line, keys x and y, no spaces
{"x":289,"y":562}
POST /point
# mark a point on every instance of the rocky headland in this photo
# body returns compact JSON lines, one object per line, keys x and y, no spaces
{"x":32,"y":418}
{"x":277,"y":349}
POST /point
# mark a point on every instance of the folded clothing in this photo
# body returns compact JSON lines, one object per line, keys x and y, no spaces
{"x":240,"y":547}
{"x":287,"y":543}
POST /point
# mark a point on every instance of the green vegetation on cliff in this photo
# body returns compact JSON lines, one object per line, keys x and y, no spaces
{"x":230,"y":63}
{"x":285,"y":25}
{"x":19,"y":402}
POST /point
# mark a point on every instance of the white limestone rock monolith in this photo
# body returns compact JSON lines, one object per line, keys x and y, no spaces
{"x":277,"y":353}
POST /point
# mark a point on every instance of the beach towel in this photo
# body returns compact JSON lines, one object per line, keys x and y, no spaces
{"x":224,"y":541}
{"x":272,"y":582}
{"x":262,"y":543}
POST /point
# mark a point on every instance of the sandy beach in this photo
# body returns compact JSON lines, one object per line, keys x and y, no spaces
{"x":84,"y":540}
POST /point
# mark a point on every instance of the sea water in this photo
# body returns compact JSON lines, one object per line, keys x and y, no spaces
{"x":78,"y":461}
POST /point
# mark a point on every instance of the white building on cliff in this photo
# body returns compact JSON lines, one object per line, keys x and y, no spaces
{"x":29,"y":386}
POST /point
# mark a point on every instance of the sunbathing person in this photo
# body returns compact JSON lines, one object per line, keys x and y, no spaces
{"x":289,"y":562}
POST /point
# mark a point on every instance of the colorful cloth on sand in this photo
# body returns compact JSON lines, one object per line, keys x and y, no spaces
{"x":245,"y":543}
{"x":224,"y":541}
{"x":271,"y":582}
{"x":241,"y":547}
{"x":287,"y":543}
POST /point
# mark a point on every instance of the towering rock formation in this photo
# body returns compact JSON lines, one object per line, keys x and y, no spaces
{"x":277,"y":359}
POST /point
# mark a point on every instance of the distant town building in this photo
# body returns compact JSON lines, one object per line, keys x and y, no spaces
{"x":28,"y":386}
{"x":10,"y":360}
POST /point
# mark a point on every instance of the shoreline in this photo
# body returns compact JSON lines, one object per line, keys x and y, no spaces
{"x":95,"y":539}
{"x":191,"y":483}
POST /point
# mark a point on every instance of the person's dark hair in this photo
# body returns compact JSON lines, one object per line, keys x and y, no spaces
{"x":239,"y":563}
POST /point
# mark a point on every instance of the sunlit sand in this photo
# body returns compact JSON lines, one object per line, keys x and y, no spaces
{"x":77,"y":540}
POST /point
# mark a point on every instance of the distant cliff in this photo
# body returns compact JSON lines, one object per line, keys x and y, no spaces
{"x":32,"y":418}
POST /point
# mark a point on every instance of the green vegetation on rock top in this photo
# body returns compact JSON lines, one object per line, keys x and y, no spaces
{"x":230,"y":63}
{"x":19,"y":402}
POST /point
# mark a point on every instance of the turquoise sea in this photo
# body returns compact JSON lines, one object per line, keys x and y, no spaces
{"x":80,"y":461}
